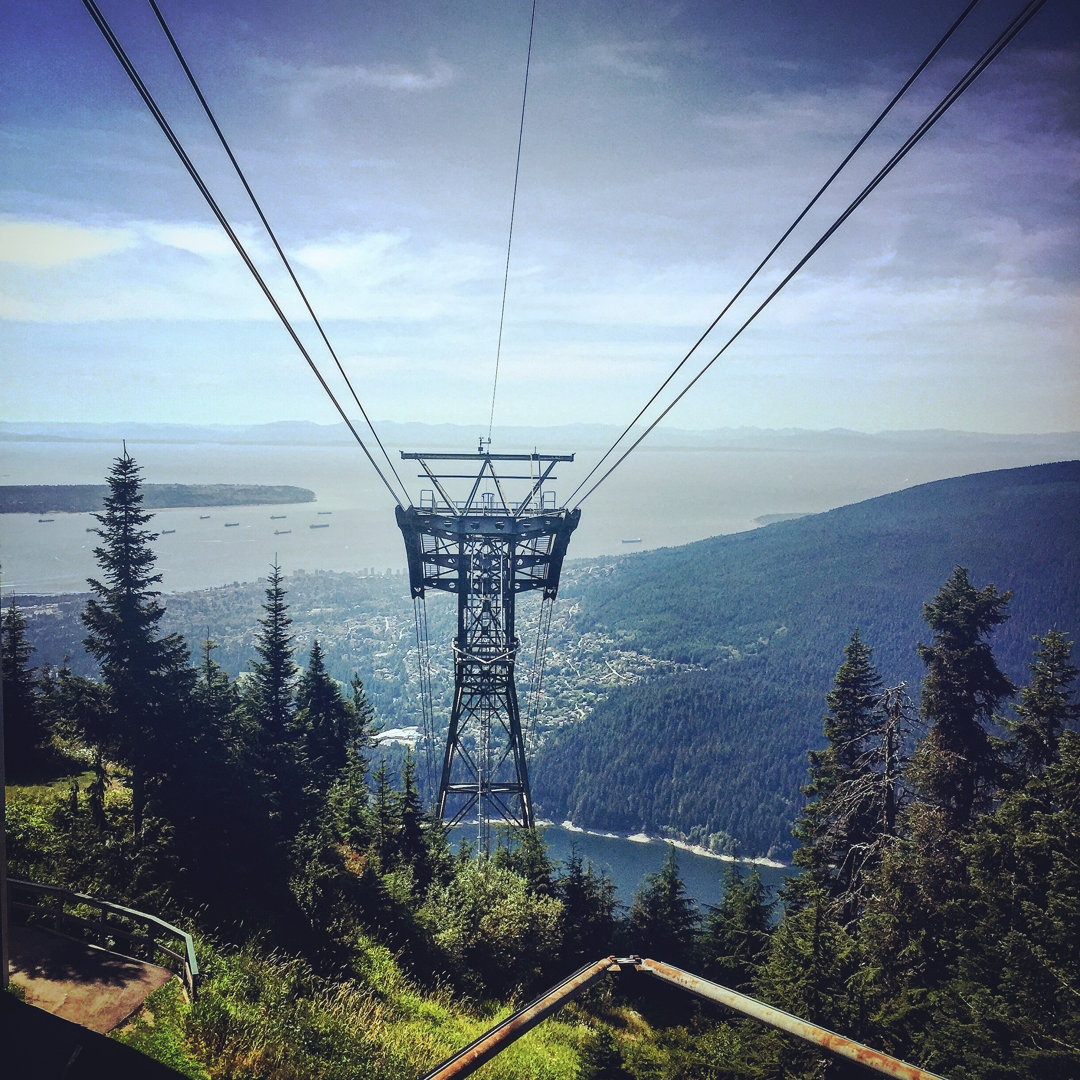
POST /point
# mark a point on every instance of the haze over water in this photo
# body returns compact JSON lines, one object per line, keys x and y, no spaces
{"x":662,"y":496}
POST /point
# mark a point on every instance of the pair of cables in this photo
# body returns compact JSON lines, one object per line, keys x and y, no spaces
{"x":1006,"y":35}
{"x":174,"y":141}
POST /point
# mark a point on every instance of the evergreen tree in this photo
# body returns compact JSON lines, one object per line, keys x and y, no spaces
{"x":589,"y":903}
{"x":663,"y":918}
{"x":146,"y":673}
{"x":1011,"y":1007}
{"x":526,"y":854}
{"x":736,"y":934}
{"x":25,"y":731}
{"x":325,"y":718}
{"x":808,"y":971}
{"x":956,"y":765}
{"x":409,"y":815}
{"x":269,"y":711}
{"x":837,"y":824}
{"x":270,"y":696}
{"x":1046,"y":707}
{"x":216,"y":694}
{"x":384,"y":816}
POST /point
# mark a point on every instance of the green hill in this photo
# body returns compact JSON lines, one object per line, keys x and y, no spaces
{"x":721,"y":752}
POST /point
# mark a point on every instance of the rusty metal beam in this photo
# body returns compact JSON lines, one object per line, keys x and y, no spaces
{"x":837,"y":1044}
{"x":467,"y":1061}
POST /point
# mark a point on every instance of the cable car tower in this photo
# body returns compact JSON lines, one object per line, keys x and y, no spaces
{"x":485,"y":535}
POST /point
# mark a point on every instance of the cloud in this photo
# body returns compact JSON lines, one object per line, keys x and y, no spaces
{"x":46,"y":244}
{"x":184,"y":271}
{"x":631,"y":58}
{"x":206,"y":241}
{"x":307,"y":85}
{"x":328,"y":78}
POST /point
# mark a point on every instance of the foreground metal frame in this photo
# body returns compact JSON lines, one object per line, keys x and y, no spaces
{"x":486,"y":535}
{"x":468,"y":1060}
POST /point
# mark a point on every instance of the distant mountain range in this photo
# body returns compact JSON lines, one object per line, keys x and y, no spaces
{"x":719,"y":753}
{"x":568,"y":436}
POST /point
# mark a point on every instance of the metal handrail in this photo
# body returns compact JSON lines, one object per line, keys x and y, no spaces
{"x":103,"y":930}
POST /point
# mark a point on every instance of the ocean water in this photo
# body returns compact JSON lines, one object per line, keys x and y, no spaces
{"x":660,"y":497}
{"x":627,"y":862}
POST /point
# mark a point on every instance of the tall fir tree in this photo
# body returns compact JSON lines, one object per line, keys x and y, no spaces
{"x":268,"y":707}
{"x":836,"y":823}
{"x":25,"y":730}
{"x":736,"y":933}
{"x":663,"y":919}
{"x":326,"y":719}
{"x":589,"y":903}
{"x":270,"y":697}
{"x":956,"y":765}
{"x":145,"y":672}
{"x":1046,"y":706}
{"x":411,"y":848}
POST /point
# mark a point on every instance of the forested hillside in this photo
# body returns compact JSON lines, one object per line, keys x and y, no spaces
{"x":684,"y":686}
{"x":719,"y":754}
{"x":339,"y":935}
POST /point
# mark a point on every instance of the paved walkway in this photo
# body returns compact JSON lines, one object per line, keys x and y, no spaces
{"x":78,"y":982}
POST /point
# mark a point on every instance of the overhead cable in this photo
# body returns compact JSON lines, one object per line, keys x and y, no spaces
{"x":269,"y":231}
{"x":1015,"y":26}
{"x":151,"y":104}
{"x":787,"y":232}
{"x":513,"y":207}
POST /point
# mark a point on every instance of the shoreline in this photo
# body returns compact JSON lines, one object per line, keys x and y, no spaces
{"x":682,"y":845}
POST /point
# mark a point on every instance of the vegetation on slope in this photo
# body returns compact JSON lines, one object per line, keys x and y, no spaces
{"x":765,"y":613}
{"x":937,"y":916}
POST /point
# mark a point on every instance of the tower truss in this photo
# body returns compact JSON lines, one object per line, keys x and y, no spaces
{"x":487,"y":530}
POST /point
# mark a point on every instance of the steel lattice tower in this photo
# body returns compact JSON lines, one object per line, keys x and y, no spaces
{"x":487,"y":549}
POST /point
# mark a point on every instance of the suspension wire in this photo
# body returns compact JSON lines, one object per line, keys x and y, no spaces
{"x":536,"y":690}
{"x":1018,"y":23}
{"x":270,"y":232}
{"x":787,"y":232}
{"x":534,"y":675}
{"x":151,"y":104}
{"x":513,"y":207}
{"x":423,"y":658}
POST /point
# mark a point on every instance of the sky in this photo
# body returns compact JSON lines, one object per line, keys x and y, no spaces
{"x":666,"y":146}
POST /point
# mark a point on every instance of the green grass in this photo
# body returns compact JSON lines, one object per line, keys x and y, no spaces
{"x":269,"y":1016}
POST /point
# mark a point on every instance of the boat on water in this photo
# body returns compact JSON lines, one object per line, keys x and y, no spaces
{"x":277,"y":517}
{"x":634,"y":540}
{"x":281,"y":532}
{"x":320,"y":525}
{"x":45,"y":521}
{"x":165,"y":532}
{"x":231,"y":524}
{"x":323,"y":513}
{"x":203,"y":517}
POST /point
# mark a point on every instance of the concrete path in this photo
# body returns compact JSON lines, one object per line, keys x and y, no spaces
{"x":78,"y":982}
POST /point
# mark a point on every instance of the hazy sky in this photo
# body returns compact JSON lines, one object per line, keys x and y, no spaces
{"x":666,"y":146}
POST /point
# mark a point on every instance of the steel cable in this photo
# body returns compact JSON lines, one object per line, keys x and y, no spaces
{"x":270,"y":232}
{"x":148,"y":99}
{"x":992,"y":51}
{"x":787,"y":232}
{"x":513,"y":208}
